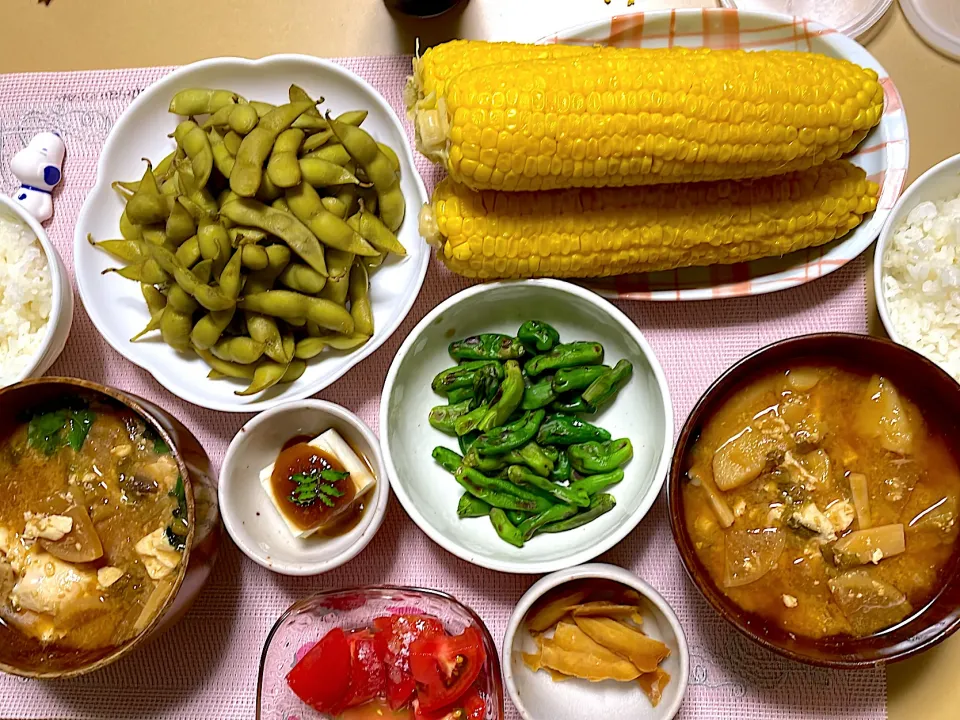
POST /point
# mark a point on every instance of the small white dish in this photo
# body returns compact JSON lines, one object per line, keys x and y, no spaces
{"x":642,"y":412}
{"x":252,"y":520}
{"x":116,"y":306}
{"x":941,"y":182}
{"x":61,"y":303}
{"x":538,"y":697}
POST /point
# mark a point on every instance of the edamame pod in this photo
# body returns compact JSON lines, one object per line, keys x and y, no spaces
{"x":241,"y":350}
{"x":359,"y":292}
{"x":284,"y":225}
{"x":255,"y":148}
{"x":210,"y":327}
{"x":322,"y":173}
{"x":291,"y":305}
{"x":201,"y":101}
{"x":305,"y":204}
{"x":283,"y":167}
{"x":196,"y":144}
{"x":302,"y":278}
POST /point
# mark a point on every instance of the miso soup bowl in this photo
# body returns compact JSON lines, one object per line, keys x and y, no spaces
{"x":934,"y":392}
{"x":203,"y":538}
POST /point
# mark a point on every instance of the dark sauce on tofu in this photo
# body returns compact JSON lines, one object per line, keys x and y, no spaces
{"x":301,"y":459}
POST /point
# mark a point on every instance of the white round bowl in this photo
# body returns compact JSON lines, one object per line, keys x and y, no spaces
{"x":642,"y":411}
{"x":116,"y":306}
{"x":538,"y":697}
{"x":251,"y":518}
{"x":61,"y":303}
{"x":940,"y":182}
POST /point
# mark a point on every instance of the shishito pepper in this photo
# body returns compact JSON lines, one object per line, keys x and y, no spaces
{"x":577,"y":378}
{"x":506,"y":400}
{"x":463,"y":375}
{"x":606,"y":387}
{"x":538,"y":395}
{"x":537,"y":336}
{"x":487,"y":346}
{"x":566,"y":356}
{"x":561,"y":429}
{"x":599,"y":505}
{"x":444,"y":417}
{"x":503,"y":439}
{"x":591,"y":458}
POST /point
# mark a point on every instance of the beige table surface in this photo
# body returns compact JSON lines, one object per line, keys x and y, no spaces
{"x":91,"y":34}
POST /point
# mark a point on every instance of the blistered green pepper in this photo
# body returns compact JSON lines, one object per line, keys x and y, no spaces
{"x":458,"y":395}
{"x":535,"y":502}
{"x":562,"y":470}
{"x":471,"y":507}
{"x":566,"y":356}
{"x":522,"y":476}
{"x":577,"y":378}
{"x":501,"y":440}
{"x":534,"y":457}
{"x":493,"y":497}
{"x":537,"y":336}
{"x":488,"y":346}
{"x":462,"y":376}
{"x":507,"y":398}
{"x":572,"y":406}
{"x":563,"y":429}
{"x":605,"y":387}
{"x":538,"y":395}
{"x":447,"y":458}
{"x":444,"y":417}
{"x":599,"y":505}
{"x":505,"y":529}
{"x":591,"y":458}
{"x":469,"y":422}
{"x":531,"y":526}
{"x":594,"y":484}
{"x":485,"y":464}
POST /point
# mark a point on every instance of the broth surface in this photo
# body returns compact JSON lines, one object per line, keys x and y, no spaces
{"x":820,"y":499}
{"x":92,"y":528}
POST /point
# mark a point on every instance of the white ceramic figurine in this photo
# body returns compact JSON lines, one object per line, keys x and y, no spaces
{"x":37,"y":167}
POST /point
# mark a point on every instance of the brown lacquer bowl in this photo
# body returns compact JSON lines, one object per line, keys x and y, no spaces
{"x":202,"y":540}
{"x":935,"y":393}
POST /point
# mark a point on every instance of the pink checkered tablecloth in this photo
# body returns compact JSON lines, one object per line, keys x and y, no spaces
{"x":206,"y":666}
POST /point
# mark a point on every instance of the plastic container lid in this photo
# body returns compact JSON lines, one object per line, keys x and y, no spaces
{"x":937,"y":22}
{"x":851,"y":17}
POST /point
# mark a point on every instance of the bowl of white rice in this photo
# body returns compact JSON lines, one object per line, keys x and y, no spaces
{"x":917,"y":267}
{"x":36,"y":300}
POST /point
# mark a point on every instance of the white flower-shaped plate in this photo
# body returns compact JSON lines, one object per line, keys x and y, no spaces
{"x":116,"y":305}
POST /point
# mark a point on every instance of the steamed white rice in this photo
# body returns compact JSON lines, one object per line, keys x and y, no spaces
{"x":921,"y":282}
{"x":26,"y":292}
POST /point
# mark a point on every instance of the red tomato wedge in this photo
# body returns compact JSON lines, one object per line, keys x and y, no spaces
{"x":470,"y":707}
{"x":322,"y":677}
{"x":444,"y":667}
{"x":367,"y":679}
{"x":393,"y":637}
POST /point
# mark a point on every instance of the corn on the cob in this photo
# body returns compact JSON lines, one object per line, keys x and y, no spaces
{"x":440,"y":64}
{"x":596,"y":232}
{"x":618,"y":117}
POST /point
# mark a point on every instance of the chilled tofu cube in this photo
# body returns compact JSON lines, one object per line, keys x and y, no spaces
{"x":333,"y":444}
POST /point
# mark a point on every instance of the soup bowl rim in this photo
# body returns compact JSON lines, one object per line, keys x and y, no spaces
{"x":132,"y":402}
{"x":841,"y":652}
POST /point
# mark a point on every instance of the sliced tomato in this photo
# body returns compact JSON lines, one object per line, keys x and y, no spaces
{"x":393,"y":636}
{"x":367,"y":679}
{"x":470,"y":707}
{"x":444,"y":667}
{"x":322,"y":677}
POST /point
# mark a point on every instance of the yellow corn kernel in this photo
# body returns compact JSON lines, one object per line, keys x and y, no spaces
{"x":597,"y":232}
{"x":616,"y":117}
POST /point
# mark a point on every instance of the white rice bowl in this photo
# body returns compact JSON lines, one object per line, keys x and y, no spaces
{"x":921,"y":282}
{"x":26,"y":297}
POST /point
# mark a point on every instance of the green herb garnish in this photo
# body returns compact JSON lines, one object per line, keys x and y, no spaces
{"x":79,"y":424}
{"x":160,"y":447}
{"x":179,"y":542}
{"x":180,"y":493}
{"x":317,"y":485}
{"x":51,"y":430}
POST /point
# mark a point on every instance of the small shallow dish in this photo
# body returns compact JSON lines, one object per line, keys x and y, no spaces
{"x":883,"y":154}
{"x":252,"y":520}
{"x":115,"y":305}
{"x":538,"y":697}
{"x":642,"y":412}
{"x":936,"y":395}
{"x":308,"y":620}
{"x":203,"y":539}
{"x":61,"y":301}
{"x":941,"y":182}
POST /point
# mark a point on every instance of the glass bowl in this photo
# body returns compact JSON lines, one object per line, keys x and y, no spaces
{"x":306,"y":621}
